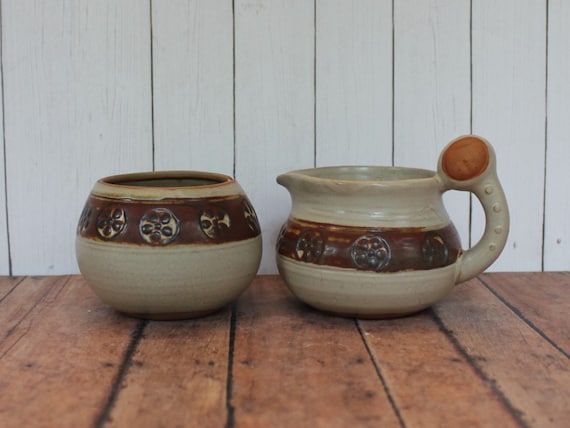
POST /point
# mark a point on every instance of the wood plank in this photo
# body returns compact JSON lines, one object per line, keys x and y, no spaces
{"x":7,"y":285}
{"x":294,"y":366}
{"x":432,"y":99}
{"x":509,"y":63}
{"x":431,"y":382}
{"x":274,"y":113}
{"x":77,"y":107}
{"x":557,"y":198}
{"x":178,"y":375}
{"x":60,"y":352}
{"x":532,"y":376}
{"x":193,"y":85}
{"x":540,"y":298}
{"x":353,"y":82}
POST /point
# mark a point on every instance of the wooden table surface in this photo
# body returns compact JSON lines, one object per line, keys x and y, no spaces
{"x":495,"y":353}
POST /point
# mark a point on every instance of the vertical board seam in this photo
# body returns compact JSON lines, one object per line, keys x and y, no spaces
{"x":315,"y":83}
{"x":471,"y":66}
{"x":470,"y":219}
{"x":234,"y":86}
{"x":545,"y":174}
{"x":152,"y":132}
{"x":6,"y":214}
{"x":393,"y":84}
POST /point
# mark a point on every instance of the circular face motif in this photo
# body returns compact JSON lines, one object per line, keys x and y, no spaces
{"x":280,"y":237}
{"x":250,"y":216}
{"x":310,"y":247}
{"x":214,"y":222}
{"x":434,"y":250}
{"x":84,"y":220}
{"x":111,"y":222}
{"x":370,"y":252}
{"x":159,"y":226}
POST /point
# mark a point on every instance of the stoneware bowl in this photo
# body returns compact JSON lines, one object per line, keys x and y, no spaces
{"x":168,"y":245}
{"x":377,"y":242}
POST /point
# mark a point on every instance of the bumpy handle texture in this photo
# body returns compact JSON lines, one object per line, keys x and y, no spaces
{"x":469,"y":163}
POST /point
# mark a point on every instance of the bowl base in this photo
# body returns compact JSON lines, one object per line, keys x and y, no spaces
{"x":170,"y":316}
{"x":360,"y":294}
{"x":368,"y":316}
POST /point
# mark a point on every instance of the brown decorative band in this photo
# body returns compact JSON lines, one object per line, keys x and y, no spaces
{"x":169,"y":221}
{"x":369,"y":249}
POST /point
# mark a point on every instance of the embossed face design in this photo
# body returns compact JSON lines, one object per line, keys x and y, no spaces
{"x":369,"y":249}
{"x":166,"y":221}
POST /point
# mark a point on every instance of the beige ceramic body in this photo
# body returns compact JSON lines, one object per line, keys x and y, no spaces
{"x":173,"y":281}
{"x":335,"y":202}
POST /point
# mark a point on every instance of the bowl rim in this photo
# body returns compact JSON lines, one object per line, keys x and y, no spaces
{"x":123,"y":180}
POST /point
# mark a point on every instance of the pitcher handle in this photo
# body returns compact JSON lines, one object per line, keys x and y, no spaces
{"x":468,"y":163}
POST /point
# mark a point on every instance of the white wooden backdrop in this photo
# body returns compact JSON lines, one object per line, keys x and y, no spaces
{"x":254,"y":88}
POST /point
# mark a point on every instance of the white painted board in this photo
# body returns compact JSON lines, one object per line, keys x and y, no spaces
{"x":557,"y":207}
{"x":509,"y":64}
{"x":353,"y":82}
{"x":193,"y":85}
{"x":4,"y":245}
{"x":432,"y":100}
{"x":274,"y":91}
{"x":84,"y":84}
{"x":77,"y":107}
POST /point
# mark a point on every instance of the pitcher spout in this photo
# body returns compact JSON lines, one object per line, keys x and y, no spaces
{"x":286,"y":180}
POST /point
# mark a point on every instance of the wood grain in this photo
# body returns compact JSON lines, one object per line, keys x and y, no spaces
{"x":532,"y":376}
{"x":431,"y":382}
{"x":274,"y":78}
{"x":77,"y":107}
{"x":432,"y":88}
{"x":487,"y":355}
{"x":193,"y":85}
{"x":285,"y":353}
{"x":7,"y":285}
{"x":509,"y":80}
{"x":540,"y":298}
{"x":60,"y":351}
{"x":353,"y":82}
{"x":177,"y":376}
{"x":557,"y":198}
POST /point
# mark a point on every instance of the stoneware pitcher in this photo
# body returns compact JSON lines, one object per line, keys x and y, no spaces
{"x":377,"y":242}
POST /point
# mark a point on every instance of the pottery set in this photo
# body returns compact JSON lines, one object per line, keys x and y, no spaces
{"x":360,"y":241}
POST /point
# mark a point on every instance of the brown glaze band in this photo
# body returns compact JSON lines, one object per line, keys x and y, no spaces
{"x":169,"y":221}
{"x":369,"y":249}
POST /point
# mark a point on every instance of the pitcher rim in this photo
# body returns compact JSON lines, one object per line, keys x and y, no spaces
{"x":416,"y":174}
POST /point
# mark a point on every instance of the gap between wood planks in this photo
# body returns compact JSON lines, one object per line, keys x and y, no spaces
{"x":521,"y":315}
{"x":121,"y":374}
{"x":476,"y":367}
{"x":512,"y":410}
{"x":138,"y":332}
{"x":379,"y":374}
{"x":230,"y":421}
{"x":479,"y":369}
